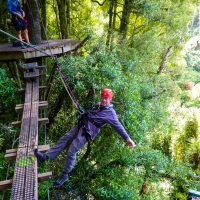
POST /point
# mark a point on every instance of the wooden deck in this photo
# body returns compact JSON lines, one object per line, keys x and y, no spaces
{"x":51,"y":47}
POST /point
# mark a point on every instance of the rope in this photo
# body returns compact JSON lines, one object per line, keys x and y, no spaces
{"x":45,"y":141}
{"x":53,"y":189}
{"x":67,"y":87}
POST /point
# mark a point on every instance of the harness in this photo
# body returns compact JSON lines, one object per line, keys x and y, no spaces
{"x":86,"y":117}
{"x":93,"y":122}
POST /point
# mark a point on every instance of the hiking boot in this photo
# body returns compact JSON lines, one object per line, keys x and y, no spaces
{"x":23,"y":46}
{"x":40,"y":156}
{"x":63,"y":178}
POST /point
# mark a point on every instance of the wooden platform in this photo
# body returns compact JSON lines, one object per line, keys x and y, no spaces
{"x":51,"y":47}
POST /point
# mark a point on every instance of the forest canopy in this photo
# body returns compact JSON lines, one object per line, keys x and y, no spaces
{"x":147,"y":51}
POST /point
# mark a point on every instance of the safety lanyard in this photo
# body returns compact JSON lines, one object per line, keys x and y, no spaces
{"x":67,"y":87}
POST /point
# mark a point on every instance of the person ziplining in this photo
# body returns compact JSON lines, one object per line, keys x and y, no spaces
{"x":19,"y":22}
{"x":84,"y":131}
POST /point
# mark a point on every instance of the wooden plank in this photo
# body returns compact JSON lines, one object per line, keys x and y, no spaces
{"x":31,"y":183}
{"x":31,"y":74}
{"x":25,"y":125}
{"x":41,"y":148}
{"x":20,"y":105}
{"x":40,"y":120}
{"x":27,"y":65}
{"x":42,"y":105}
{"x":18,"y":185}
{"x":7,"y":184}
{"x":25,"y":176}
{"x":28,"y":93}
{"x":34,"y":67}
{"x":43,"y":120}
{"x":35,"y":90}
{"x":12,"y":153}
{"x":16,"y":124}
{"x":4,"y":185}
{"x":40,"y":88}
{"x":33,"y":132}
{"x":44,"y":176}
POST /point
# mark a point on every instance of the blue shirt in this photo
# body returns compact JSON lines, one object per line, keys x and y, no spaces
{"x":13,"y":6}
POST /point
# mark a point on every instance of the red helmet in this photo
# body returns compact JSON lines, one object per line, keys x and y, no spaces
{"x":107,"y":93}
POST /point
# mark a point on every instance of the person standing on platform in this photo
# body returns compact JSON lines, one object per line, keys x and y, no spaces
{"x":20,"y":24}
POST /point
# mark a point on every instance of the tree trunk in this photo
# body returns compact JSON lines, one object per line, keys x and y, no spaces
{"x":68,"y":2}
{"x":63,"y":18}
{"x":125,"y":17}
{"x":14,"y":72}
{"x":113,"y":23}
{"x":110,"y":24}
{"x":55,"y":108}
{"x":4,"y":24}
{"x":44,"y":19}
{"x":32,"y":14}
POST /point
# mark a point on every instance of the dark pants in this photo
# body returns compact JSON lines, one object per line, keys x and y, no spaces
{"x":77,"y":139}
{"x":18,"y":23}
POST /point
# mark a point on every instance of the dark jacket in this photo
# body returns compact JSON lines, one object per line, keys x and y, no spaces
{"x":103,"y":115}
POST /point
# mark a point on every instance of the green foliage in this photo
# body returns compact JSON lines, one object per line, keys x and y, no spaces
{"x":140,"y":104}
{"x":8,"y":97}
{"x":106,"y":168}
{"x":193,"y":67}
{"x":186,"y":148}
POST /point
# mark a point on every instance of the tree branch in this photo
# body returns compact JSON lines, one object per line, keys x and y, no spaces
{"x":163,"y":62}
{"x":155,"y":95}
{"x":81,"y":44}
{"x":101,"y":4}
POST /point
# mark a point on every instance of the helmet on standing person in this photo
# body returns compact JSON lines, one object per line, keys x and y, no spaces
{"x":106,"y":92}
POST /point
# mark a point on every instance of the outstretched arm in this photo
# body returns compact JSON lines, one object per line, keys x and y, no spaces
{"x":130,"y":143}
